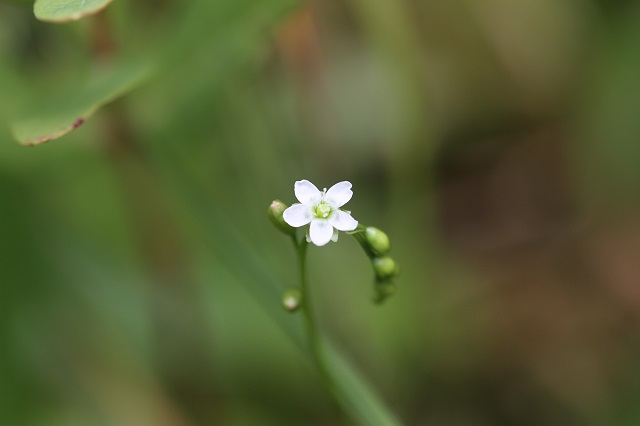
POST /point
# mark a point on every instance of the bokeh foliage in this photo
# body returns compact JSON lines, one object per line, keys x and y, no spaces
{"x":495,"y":142}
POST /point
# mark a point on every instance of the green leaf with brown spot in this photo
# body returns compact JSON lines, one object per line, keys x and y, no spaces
{"x":68,"y":111}
{"x":67,"y":10}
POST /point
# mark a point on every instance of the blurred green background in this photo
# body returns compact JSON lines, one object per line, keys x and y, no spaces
{"x":497,"y":142}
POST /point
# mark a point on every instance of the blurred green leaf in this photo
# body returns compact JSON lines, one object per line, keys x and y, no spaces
{"x":18,"y":1}
{"x":67,"y":10}
{"x":69,"y":111}
{"x":609,"y":125}
{"x":357,"y":398}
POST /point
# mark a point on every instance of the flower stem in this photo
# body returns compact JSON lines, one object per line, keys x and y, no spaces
{"x":313,"y":332}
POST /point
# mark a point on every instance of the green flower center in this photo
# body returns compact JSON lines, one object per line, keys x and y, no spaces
{"x":322,"y":210}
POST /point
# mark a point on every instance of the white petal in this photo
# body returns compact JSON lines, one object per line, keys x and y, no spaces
{"x":306,"y":192}
{"x":297,"y":215}
{"x":343,"y":221}
{"x":320,"y":232}
{"x":335,"y":235}
{"x":339,"y":194}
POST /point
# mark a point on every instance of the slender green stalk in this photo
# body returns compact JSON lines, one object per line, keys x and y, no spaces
{"x":315,"y":341}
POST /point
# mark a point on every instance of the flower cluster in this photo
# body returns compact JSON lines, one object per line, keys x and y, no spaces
{"x":321,"y":210}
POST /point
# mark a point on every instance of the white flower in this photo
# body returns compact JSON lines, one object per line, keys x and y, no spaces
{"x":322,"y":210}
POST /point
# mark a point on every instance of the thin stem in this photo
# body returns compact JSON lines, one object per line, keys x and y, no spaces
{"x":103,"y":43}
{"x":313,"y":332}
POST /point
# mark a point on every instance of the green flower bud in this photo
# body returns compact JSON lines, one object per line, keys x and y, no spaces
{"x":291,"y":299}
{"x":276,"y":209}
{"x":385,"y":267}
{"x":378,"y":241}
{"x":383,"y":290}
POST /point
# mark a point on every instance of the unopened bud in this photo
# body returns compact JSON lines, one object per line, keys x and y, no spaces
{"x":276,"y":209}
{"x":378,"y":241}
{"x":291,"y":299}
{"x":383,"y":291}
{"x":385,"y":267}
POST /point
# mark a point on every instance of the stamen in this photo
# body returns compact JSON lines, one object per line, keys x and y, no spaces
{"x":323,"y":210}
